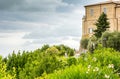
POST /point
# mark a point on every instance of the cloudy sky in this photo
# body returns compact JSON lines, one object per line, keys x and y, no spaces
{"x":29,"y":24}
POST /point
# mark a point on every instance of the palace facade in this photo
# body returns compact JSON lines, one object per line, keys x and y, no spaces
{"x":92,"y":13}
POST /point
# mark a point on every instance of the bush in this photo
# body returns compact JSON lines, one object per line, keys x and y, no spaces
{"x":44,"y":48}
{"x":71,"y":61}
{"x":102,"y":64}
{"x":84,"y":43}
{"x":92,"y":44}
{"x":3,"y":73}
{"x":111,"y":40}
{"x":65,"y":49}
{"x":52,"y":50}
{"x":84,"y":72}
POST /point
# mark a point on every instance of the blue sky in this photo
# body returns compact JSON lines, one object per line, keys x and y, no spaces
{"x":29,"y":24}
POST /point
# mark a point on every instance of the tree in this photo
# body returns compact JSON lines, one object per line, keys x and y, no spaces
{"x":102,"y":25}
{"x":45,"y":47}
{"x":3,"y":73}
{"x":111,"y":40}
{"x":92,"y":44}
{"x":84,"y":43}
{"x":65,"y":49}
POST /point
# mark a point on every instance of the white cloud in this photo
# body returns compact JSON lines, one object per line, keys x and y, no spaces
{"x":10,"y":42}
{"x":28,"y":24}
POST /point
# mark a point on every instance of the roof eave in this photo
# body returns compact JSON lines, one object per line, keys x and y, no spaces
{"x":99,"y":4}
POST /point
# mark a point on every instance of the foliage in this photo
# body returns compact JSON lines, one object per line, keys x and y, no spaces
{"x":111,"y":40}
{"x":102,"y":64}
{"x":3,"y":73}
{"x":83,"y":72}
{"x":102,"y":25}
{"x":44,"y":48}
{"x":71,"y":61}
{"x":17,"y":61}
{"x":29,"y":65}
{"x":92,"y":43}
{"x":48,"y":64}
{"x":84,"y":43}
{"x":65,"y":49}
{"x":52,"y":50}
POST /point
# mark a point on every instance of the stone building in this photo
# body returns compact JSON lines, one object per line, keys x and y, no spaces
{"x":92,"y":13}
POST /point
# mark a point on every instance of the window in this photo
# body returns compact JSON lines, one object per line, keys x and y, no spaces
{"x":91,"y":12}
{"x":90,"y":30}
{"x":104,"y":10}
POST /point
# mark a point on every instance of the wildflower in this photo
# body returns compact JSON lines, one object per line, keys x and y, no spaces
{"x":96,"y":69}
{"x":111,"y":66}
{"x":89,"y":66}
{"x":87,"y":72}
{"x":107,"y":76}
{"x":94,"y":59}
{"x":88,"y":69}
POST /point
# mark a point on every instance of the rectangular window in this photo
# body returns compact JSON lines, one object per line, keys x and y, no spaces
{"x":90,"y":30}
{"x":91,"y":12}
{"x":104,"y":10}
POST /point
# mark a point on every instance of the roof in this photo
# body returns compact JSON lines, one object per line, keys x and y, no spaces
{"x":106,"y":2}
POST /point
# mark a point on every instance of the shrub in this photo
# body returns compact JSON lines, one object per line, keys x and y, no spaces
{"x":92,"y":44}
{"x":44,"y":48}
{"x":84,"y":72}
{"x":52,"y":50}
{"x":84,"y":43}
{"x":111,"y":40}
{"x":65,"y":49}
{"x":71,"y":61}
{"x":102,"y":64}
{"x":3,"y":73}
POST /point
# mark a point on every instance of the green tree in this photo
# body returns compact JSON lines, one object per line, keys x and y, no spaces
{"x":111,"y":40}
{"x":102,"y":25}
{"x":3,"y":73}
{"x":92,"y":44}
{"x":65,"y":49}
{"x":45,"y":47}
{"x":84,"y":43}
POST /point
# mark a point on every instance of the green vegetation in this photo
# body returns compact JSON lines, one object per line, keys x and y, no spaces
{"x":92,"y":43}
{"x":84,"y":43}
{"x":111,"y":40}
{"x":3,"y":73}
{"x":102,"y":25}
{"x":30,"y":65}
{"x":49,"y":63}
{"x":104,"y":63}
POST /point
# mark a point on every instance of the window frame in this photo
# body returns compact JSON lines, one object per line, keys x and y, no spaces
{"x":105,"y":10}
{"x":91,"y":12}
{"x":90,"y":30}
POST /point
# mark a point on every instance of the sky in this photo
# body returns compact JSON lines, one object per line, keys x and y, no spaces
{"x":29,"y":24}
